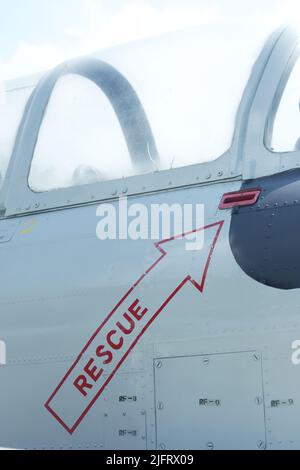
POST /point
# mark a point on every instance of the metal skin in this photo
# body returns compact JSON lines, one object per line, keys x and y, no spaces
{"x":205,"y":361}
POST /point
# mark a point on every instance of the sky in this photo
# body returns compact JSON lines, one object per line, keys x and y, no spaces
{"x":37,"y":34}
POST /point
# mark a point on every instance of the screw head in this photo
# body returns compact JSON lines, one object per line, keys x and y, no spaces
{"x":162,"y":446}
{"x":256,"y":356}
{"x":160,"y":405}
{"x":158,"y":365}
{"x":205,"y":361}
{"x":261,"y":445}
{"x":258,"y":400}
{"x":210,"y":446}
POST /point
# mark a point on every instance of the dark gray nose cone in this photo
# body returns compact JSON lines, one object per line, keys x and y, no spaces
{"x":265,"y":238}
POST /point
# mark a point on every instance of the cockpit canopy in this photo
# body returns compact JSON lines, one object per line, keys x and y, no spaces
{"x":189,"y":84}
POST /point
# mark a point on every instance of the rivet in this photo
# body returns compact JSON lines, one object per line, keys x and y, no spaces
{"x":208,"y":176}
{"x":125,"y":191}
{"x":220,"y":173}
{"x":114,"y":192}
{"x":210,"y":446}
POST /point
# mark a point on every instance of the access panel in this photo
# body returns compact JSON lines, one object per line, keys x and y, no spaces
{"x":210,"y":402}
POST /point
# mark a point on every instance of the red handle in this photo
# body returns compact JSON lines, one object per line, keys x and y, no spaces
{"x":245,"y":197}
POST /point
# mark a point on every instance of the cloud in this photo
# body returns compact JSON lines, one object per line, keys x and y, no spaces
{"x":103,"y":28}
{"x":98,"y":24}
{"x":285,"y":12}
{"x":136,"y":20}
{"x":30,"y":58}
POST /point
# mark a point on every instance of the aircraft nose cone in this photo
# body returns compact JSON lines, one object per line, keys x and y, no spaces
{"x":264,"y":238}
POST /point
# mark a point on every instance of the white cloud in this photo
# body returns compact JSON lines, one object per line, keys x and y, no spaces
{"x":285,"y":12}
{"x":134,"y":20}
{"x":30,"y":58}
{"x":138,"y":20}
{"x":104,"y":25}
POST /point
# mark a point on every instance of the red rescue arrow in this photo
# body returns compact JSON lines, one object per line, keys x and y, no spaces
{"x":121,"y":330}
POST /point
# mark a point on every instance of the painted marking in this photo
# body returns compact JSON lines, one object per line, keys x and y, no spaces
{"x":31,"y":226}
{"x":125,"y":325}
